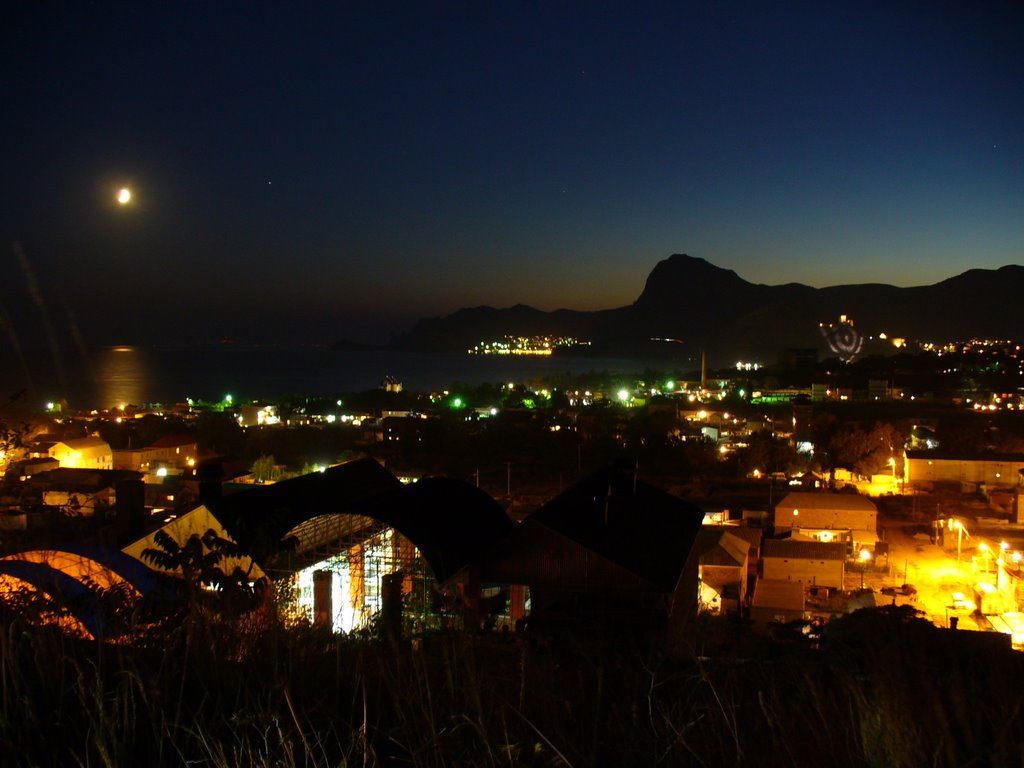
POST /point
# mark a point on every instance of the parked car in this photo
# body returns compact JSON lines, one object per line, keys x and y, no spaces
{"x":907,"y":590}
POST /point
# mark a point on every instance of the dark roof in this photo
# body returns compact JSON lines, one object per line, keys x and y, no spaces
{"x":81,"y":479}
{"x":804,"y":550}
{"x":449,"y":521}
{"x":826,"y":500}
{"x":715,"y":549}
{"x":269,"y":512}
{"x":41,"y":461}
{"x":639,"y":527}
{"x":948,"y":455}
{"x":172,"y":441}
{"x":752,"y":536}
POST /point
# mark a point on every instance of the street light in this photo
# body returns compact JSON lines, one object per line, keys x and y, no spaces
{"x":865,"y":556}
{"x":960,"y":531}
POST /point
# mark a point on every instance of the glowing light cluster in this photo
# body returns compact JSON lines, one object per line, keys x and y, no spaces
{"x":526,"y":345}
{"x":843,"y":339}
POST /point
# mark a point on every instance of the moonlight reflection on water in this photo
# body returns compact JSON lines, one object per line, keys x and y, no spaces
{"x":113,"y":376}
{"x":123,"y":374}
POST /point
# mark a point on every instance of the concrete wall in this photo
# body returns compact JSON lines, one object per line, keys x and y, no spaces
{"x":925,"y":471}
{"x":824,"y":573}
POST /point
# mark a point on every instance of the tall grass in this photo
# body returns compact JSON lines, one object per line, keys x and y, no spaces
{"x":878,"y":690}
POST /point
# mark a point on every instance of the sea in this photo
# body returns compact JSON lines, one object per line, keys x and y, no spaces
{"x":113,"y":376}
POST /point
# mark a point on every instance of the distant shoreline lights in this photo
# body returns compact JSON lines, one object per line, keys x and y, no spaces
{"x":525,"y":345}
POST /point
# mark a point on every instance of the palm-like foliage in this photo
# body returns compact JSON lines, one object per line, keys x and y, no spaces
{"x":200,"y":560}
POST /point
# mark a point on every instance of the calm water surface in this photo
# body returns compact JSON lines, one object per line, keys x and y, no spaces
{"x":112,"y":376}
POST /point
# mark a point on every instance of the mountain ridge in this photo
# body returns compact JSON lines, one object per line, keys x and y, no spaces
{"x":714,"y":309}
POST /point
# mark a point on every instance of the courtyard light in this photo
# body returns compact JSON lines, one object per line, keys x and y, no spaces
{"x":865,"y":557}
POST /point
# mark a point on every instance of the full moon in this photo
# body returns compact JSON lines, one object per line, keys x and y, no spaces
{"x":124,"y":195}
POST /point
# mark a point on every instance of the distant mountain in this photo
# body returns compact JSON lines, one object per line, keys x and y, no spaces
{"x":710,"y":308}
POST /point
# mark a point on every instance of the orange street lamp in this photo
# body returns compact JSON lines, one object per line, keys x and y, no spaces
{"x":865,"y":556}
{"x":960,"y":531}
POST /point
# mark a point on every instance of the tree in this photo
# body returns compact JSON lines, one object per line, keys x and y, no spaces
{"x":11,"y":441}
{"x":204,"y":583}
{"x":767,"y":454}
{"x":264,"y":470}
{"x":866,"y":453}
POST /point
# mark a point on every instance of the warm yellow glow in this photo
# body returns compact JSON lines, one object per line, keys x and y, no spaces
{"x":865,"y":555}
{"x":124,"y":196}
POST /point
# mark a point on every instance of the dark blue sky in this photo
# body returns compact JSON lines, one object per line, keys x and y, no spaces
{"x":345,"y":169}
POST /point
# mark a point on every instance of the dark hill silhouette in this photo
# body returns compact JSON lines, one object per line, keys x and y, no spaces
{"x":711,"y":308}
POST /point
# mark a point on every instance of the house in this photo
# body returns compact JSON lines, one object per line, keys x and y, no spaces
{"x":28,"y":467}
{"x":83,"y":492}
{"x":753,"y":537}
{"x":722,"y":569}
{"x":83,"y":453}
{"x":814,"y":563}
{"x":171,"y":452}
{"x":777,"y":601}
{"x":610,"y":553}
{"x":923,"y":469}
{"x":837,"y":513}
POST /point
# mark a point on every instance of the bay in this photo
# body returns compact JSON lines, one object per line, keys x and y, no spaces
{"x":108,"y":377}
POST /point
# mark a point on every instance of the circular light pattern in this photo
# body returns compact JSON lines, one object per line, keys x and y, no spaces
{"x":124,"y":195}
{"x":843,"y":340}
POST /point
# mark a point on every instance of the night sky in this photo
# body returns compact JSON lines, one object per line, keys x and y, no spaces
{"x":343,"y":169}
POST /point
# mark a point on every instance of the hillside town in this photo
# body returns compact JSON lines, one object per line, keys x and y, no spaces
{"x":756,"y":493}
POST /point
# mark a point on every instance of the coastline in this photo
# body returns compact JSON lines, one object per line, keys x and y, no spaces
{"x":118,"y":375}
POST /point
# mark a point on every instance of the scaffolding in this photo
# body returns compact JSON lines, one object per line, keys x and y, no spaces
{"x":342,"y":566}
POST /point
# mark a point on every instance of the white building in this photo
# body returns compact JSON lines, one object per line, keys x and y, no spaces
{"x":83,"y":453}
{"x":820,"y":512}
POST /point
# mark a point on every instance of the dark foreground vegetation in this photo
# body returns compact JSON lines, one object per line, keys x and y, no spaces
{"x":877,"y":688}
